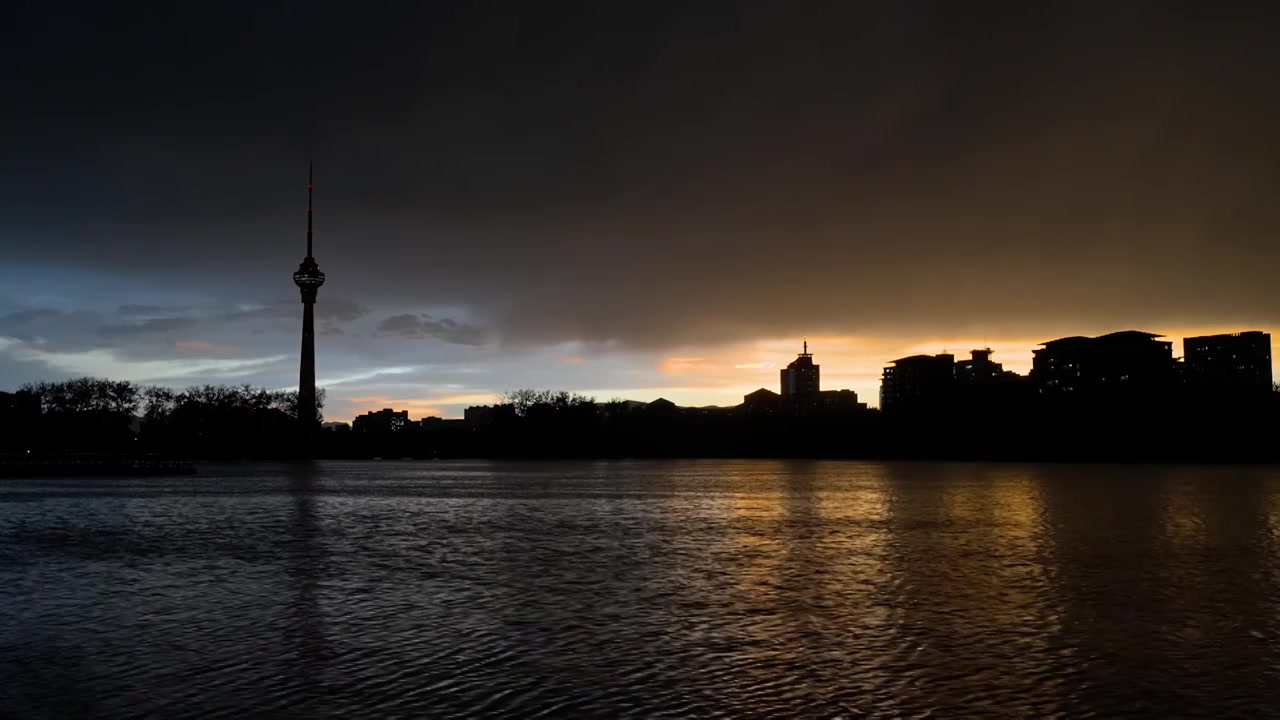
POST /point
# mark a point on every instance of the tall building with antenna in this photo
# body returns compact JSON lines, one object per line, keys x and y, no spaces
{"x":308,"y":278}
{"x":800,"y":378}
{"x":801,"y":393}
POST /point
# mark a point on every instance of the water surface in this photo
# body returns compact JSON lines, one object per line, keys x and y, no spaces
{"x":643,"y":589}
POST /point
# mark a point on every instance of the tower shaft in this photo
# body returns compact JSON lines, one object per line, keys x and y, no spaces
{"x":307,"y":369}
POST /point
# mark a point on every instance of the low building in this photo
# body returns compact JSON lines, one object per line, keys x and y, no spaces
{"x":382,"y":421}
{"x":762,"y":402}
{"x":433,"y":424}
{"x":661,"y":406}
{"x":489,"y":414}
{"x":839,"y":401}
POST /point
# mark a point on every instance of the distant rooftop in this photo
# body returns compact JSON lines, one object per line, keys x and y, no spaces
{"x":919,"y":358}
{"x":1120,"y":335}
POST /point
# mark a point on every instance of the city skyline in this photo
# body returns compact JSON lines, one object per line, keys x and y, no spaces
{"x":722,"y":377}
{"x":659,"y":203}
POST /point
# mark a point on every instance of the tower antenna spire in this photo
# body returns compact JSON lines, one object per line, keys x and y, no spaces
{"x":309,"y":186}
{"x":806,"y":346}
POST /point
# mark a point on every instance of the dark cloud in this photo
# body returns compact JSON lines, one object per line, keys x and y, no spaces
{"x":52,"y":329}
{"x":134,"y":310}
{"x":334,"y":311}
{"x":404,"y":325}
{"x":445,"y":329}
{"x":657,"y":173}
{"x":151,"y":325}
{"x":26,"y":318}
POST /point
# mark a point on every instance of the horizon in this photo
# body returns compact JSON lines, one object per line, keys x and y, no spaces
{"x":768,"y":358}
{"x":761,"y":361}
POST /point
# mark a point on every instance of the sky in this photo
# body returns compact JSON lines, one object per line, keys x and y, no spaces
{"x":625,"y":199}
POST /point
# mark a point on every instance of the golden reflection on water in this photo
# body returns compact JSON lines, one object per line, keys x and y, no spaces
{"x":826,"y":521}
{"x":755,"y":537}
{"x":970,"y":547}
{"x":756,"y":541}
{"x":1017,"y":528}
{"x":807,"y":543}
{"x":882,"y":575}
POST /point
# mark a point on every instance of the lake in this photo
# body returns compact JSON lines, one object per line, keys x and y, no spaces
{"x":643,"y":589}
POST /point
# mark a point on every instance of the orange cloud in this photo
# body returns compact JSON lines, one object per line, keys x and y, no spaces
{"x":572,"y":360}
{"x":679,"y":365}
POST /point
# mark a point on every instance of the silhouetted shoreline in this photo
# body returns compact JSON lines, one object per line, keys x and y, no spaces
{"x":1161,"y":424}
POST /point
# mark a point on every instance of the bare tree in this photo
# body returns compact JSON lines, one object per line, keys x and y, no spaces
{"x":525,"y":399}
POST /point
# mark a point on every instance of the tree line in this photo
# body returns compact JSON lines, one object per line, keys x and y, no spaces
{"x":98,"y":415}
{"x":527,"y":400}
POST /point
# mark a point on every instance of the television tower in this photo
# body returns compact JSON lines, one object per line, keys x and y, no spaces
{"x":308,"y":278}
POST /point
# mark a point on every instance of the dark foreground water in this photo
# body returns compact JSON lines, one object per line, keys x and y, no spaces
{"x":649,"y":589}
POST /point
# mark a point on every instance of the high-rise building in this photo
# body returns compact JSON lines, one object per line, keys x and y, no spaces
{"x":839,"y":401}
{"x":308,"y":278}
{"x":1239,"y":359}
{"x":917,"y":380}
{"x":1126,"y":359}
{"x":800,"y":378}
